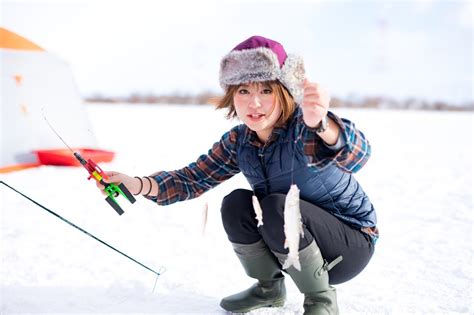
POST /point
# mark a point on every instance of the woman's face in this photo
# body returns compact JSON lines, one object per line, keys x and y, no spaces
{"x":257,"y":107}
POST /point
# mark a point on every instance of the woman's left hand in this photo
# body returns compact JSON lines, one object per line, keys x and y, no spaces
{"x":315,"y":103}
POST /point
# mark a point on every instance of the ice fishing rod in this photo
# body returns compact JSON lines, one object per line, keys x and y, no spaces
{"x":111,"y":189}
{"x":82,"y":230}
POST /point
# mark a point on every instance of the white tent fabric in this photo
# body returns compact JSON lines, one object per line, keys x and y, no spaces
{"x":34,"y":84}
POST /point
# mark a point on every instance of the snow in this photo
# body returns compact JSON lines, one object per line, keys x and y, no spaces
{"x":419,"y":179}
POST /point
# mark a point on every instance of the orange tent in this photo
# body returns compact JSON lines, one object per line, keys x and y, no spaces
{"x":10,"y":40}
{"x":36,"y":84}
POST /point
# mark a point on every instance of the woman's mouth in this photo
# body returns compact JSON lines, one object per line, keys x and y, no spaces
{"x":255,"y":117}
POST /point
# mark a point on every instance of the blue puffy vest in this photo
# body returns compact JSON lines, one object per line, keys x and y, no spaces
{"x":280,"y":163}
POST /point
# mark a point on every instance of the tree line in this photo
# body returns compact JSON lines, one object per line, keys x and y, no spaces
{"x":206,"y":98}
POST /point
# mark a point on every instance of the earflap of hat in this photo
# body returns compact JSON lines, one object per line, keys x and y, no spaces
{"x":250,"y":65}
{"x":293,"y":75}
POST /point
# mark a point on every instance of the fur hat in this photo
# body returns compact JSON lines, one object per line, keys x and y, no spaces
{"x":259,"y":59}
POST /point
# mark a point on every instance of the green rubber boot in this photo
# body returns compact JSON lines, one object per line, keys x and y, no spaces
{"x":313,"y":281}
{"x":259,"y":263}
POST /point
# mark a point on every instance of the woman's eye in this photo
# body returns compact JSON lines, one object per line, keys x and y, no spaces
{"x":267,"y":91}
{"x":243,"y":91}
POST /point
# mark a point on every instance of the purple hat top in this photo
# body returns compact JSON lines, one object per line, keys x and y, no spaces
{"x":260,"y":59}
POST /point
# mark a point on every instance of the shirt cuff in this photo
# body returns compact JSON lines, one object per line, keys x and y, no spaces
{"x":341,"y":142}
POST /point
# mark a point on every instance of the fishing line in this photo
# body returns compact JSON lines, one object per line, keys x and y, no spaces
{"x":54,"y":130}
{"x":299,"y":137}
{"x":84,"y":231}
{"x":161,"y":271}
{"x":57,"y":134}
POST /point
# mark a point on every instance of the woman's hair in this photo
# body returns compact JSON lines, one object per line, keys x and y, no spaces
{"x":282,"y":96}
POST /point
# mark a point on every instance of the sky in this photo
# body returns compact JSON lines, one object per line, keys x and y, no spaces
{"x":400,"y":49}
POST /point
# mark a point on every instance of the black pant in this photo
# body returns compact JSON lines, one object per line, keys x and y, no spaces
{"x":333,"y":237}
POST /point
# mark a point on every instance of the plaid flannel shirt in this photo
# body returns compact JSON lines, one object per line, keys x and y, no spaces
{"x":219,"y":164}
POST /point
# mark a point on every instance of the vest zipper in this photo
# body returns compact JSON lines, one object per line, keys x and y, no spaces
{"x":261,"y":155}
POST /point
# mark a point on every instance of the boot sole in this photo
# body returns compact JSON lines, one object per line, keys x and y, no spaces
{"x":276,"y":303}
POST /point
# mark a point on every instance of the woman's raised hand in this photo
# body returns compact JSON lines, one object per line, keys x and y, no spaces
{"x":315,"y":103}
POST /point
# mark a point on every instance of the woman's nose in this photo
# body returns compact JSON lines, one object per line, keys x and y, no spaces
{"x":254,"y":102}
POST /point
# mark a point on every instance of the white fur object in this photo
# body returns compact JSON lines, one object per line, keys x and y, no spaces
{"x":205,"y":210}
{"x":293,"y":227}
{"x":259,"y":65}
{"x":258,"y":210}
{"x":293,"y":76}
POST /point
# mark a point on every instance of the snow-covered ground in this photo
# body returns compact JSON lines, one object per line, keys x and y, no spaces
{"x":420,"y":179}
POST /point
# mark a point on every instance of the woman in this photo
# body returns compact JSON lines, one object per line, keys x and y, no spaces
{"x":281,"y":142}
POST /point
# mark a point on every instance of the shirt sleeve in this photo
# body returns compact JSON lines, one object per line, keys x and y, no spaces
{"x":350,"y":156}
{"x":210,"y":169}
